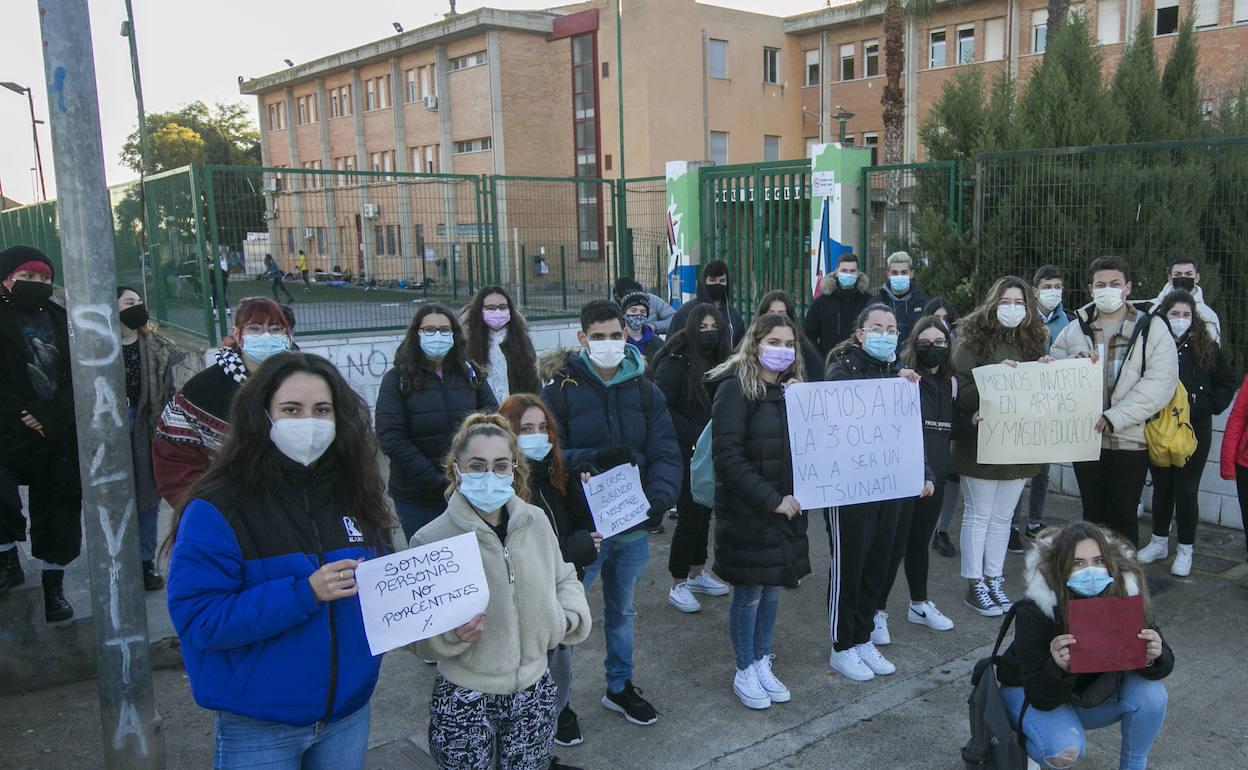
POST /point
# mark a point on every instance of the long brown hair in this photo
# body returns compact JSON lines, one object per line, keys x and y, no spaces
{"x":981,"y":330}
{"x":1058,"y":558}
{"x":910,"y":354}
{"x":414,"y":366}
{"x":522,"y":354}
{"x":514,"y":407}
{"x":487,"y":426}
{"x":1197,"y":336}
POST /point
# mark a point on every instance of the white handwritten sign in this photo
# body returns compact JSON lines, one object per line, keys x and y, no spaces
{"x":1039,"y":413}
{"x":616,"y":499}
{"x":855,"y":441}
{"x":421,"y":592}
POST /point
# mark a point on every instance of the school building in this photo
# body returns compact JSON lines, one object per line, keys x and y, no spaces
{"x":535,"y":93}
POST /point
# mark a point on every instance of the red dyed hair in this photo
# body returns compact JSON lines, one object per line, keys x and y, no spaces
{"x":256,"y":310}
{"x":514,"y":407}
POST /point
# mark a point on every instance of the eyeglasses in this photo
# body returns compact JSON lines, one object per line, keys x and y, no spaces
{"x":435,"y":330}
{"x":500,"y":306}
{"x":478,"y":468}
{"x":881,"y":330}
{"x":262,"y":328}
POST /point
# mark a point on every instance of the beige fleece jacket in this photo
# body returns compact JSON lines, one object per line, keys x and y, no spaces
{"x":536,"y":602}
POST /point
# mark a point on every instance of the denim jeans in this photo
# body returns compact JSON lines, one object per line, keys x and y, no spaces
{"x":414,"y":516}
{"x":752,"y":621}
{"x":1035,"y":498}
{"x":147,"y":533}
{"x":243,"y":743}
{"x":621,"y":565}
{"x":1140,"y":705}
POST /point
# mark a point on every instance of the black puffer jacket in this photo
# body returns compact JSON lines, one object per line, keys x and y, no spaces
{"x":415,"y":427}
{"x":754,"y":545}
{"x":832,"y":315}
{"x":1210,"y":391}
{"x":812,"y":361}
{"x":853,"y":363}
{"x":689,"y":416}
{"x":936,"y":404}
{"x":18,"y":395}
{"x":568,"y":514}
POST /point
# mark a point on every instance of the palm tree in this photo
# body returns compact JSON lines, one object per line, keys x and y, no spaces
{"x":893,"y":99}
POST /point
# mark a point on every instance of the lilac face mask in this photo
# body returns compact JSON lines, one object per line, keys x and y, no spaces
{"x":775,"y":359}
{"x":497,"y":319}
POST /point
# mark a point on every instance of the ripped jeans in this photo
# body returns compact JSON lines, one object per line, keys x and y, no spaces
{"x":752,"y":621}
{"x":1055,"y":739}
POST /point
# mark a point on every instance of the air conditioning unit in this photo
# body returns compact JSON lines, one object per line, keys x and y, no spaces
{"x":308,"y":233}
{"x":272,"y":184}
{"x":430,"y":101}
{"x":371,"y":210}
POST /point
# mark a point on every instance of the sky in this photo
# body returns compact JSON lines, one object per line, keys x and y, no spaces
{"x":195,"y":50}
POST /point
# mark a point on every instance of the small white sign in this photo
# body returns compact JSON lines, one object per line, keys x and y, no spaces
{"x":823,"y":183}
{"x":421,"y":592}
{"x":616,"y":499}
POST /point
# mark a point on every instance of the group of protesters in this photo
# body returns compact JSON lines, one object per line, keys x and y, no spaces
{"x":267,"y":457}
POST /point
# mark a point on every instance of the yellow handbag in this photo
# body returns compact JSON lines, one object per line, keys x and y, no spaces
{"x":1171,"y":439}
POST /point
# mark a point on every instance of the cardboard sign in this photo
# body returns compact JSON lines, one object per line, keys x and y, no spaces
{"x":421,"y":592}
{"x":1106,"y":634}
{"x":1039,"y":413}
{"x":855,"y":441}
{"x":616,"y":499}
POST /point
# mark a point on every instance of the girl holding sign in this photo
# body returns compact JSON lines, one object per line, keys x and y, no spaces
{"x":1058,"y":707}
{"x":1005,"y":329}
{"x":760,"y":530}
{"x":494,"y":701}
{"x":262,"y":586}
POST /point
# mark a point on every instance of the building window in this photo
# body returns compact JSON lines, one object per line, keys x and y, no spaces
{"x":409,"y":78}
{"x":1206,"y":13}
{"x":771,"y":147}
{"x":377,"y":93}
{"x":847,"y":61}
{"x":589,"y":202}
{"x":1167,"y":17}
{"x":339,"y":101}
{"x":474,"y":145}
{"x":1040,"y":30}
{"x":370,"y":95}
{"x":290,"y":240}
{"x":305,"y":106}
{"x":994,"y":39}
{"x":392,"y":239}
{"x":848,"y":140}
{"x":1109,"y":22}
{"x":936,"y":49}
{"x":872,"y":142}
{"x":464,"y":62}
{"x":810,"y":143}
{"x":871,"y":58}
{"x":771,"y":66}
{"x":425,"y":159}
{"x":315,"y":181}
{"x":428,"y":83}
{"x":1239,"y":14}
{"x":277,"y":116}
{"x":812,"y":67}
{"x":966,"y":44}
{"x":719,"y":147}
{"x":717,"y":58}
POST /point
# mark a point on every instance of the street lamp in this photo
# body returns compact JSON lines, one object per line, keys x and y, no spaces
{"x":34,"y":129}
{"x":842,"y":116}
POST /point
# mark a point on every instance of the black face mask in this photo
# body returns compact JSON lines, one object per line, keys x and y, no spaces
{"x":716,"y":291}
{"x":134,"y":317}
{"x":1187,"y":284}
{"x":709,"y":340}
{"x":29,"y":296}
{"x":931,"y":356}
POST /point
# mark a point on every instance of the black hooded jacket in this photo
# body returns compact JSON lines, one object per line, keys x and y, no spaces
{"x":832,"y":316}
{"x":567,"y":512}
{"x":17,"y":394}
{"x":736,"y":323}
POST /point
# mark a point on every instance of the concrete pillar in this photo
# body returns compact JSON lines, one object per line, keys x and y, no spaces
{"x":269,"y":208}
{"x":509,"y":269}
{"x":684,"y":231}
{"x":361,"y":163}
{"x":296,"y":182}
{"x":402,"y":187}
{"x":911,"y":95}
{"x":836,"y":191}
{"x":446,"y":164}
{"x":327,"y":162}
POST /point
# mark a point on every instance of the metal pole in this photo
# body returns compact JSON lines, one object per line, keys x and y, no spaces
{"x":34,"y":129}
{"x":132,"y":737}
{"x":145,"y":167}
{"x":619,"y":80}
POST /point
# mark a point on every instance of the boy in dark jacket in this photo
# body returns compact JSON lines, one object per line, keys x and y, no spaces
{"x":842,"y":296}
{"x":900,"y":294}
{"x":636,"y":309}
{"x":713,"y":287}
{"x":610,"y":415}
{"x":38,"y":447}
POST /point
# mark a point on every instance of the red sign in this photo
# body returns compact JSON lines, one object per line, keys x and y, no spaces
{"x":1106,"y":634}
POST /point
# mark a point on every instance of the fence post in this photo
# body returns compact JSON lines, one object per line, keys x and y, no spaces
{"x":131,"y":728}
{"x":218,"y":282}
{"x":197,"y":205}
{"x":563,"y":274}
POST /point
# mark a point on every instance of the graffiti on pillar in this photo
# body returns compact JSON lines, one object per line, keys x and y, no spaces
{"x":361,"y":364}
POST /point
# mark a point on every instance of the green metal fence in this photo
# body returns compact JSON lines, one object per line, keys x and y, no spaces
{"x":895,"y":200}
{"x":1147,"y":203}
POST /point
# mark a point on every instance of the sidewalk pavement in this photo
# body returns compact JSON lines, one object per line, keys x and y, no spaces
{"x":914,"y":719}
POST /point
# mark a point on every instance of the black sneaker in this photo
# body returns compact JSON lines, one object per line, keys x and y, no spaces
{"x":942,"y":545}
{"x":568,"y":733}
{"x":1032,"y":531}
{"x":1016,"y":541}
{"x":152,"y":579}
{"x":55,"y":608}
{"x":555,"y":764}
{"x":630,"y":703}
{"x":11,"y":573}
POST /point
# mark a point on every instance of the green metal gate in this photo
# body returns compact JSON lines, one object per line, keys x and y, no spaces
{"x":894,"y":199}
{"x":756,"y":217}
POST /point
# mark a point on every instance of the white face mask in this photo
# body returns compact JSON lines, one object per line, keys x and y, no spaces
{"x":302,"y":439}
{"x":1107,"y":299}
{"x":1179,"y":326}
{"x":1011,"y":316}
{"x":1049,"y":299}
{"x":606,"y":354}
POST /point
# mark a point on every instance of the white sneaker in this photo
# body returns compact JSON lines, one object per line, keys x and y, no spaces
{"x":774,"y":688}
{"x":1182,"y":565}
{"x":878,"y":664}
{"x":682,"y":598}
{"x":706,"y":583}
{"x":1139,"y":510}
{"x":879,"y":634}
{"x":849,"y":663}
{"x":1157,"y":549}
{"x":746,"y":687}
{"x":926,"y":614}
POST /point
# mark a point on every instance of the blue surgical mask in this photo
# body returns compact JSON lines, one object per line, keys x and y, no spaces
{"x":880,"y":346}
{"x":1089,"y":581}
{"x":534,"y":445}
{"x":436,"y":344}
{"x":900,"y":284}
{"x":847,"y":280}
{"x":487,"y":491}
{"x":258,"y":347}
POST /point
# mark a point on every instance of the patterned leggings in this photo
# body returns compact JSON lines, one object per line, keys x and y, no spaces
{"x":469,"y":730}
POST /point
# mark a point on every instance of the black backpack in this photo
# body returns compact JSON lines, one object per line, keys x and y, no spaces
{"x":994,"y":744}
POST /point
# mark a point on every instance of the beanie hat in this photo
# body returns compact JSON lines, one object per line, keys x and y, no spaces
{"x":23,"y":257}
{"x":635,"y":298}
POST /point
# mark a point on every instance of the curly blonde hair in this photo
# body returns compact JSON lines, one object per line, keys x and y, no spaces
{"x":487,"y":426}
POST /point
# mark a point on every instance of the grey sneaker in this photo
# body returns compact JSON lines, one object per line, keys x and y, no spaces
{"x":996,"y":589}
{"x":979,"y":600}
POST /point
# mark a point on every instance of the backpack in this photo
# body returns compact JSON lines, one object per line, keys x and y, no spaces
{"x":994,"y":744}
{"x":702,"y":471}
